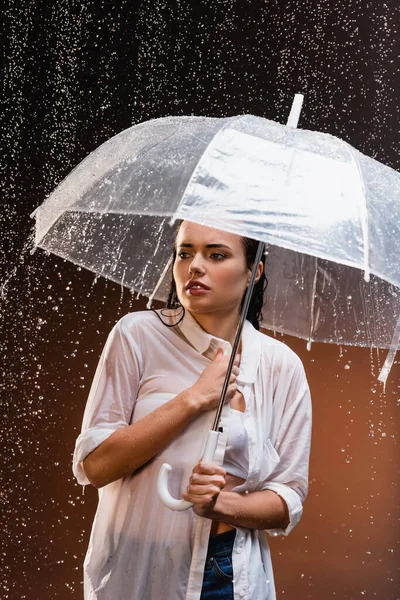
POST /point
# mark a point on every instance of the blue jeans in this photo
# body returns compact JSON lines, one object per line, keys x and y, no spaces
{"x":218,"y":571}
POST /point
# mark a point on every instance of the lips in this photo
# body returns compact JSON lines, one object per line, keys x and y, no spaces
{"x":196,"y":285}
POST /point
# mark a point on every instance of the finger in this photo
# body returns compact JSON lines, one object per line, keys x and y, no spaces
{"x":209,"y":468}
{"x":203,"y":500}
{"x":230,"y":392}
{"x":234,"y":374}
{"x":204,"y":480}
{"x":224,"y":362}
{"x":232,"y":378}
{"x":226,"y":359}
{"x":219,"y":355}
{"x":203,"y":490}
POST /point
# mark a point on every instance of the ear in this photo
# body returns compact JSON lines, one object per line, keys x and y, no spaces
{"x":260,"y":270}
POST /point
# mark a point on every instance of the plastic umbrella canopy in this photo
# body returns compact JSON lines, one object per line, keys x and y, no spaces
{"x":329,"y":215}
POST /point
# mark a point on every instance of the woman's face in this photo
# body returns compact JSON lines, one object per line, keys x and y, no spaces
{"x":210,"y":269}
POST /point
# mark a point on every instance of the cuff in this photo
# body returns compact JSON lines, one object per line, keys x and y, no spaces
{"x":88,"y":441}
{"x":293,"y":502}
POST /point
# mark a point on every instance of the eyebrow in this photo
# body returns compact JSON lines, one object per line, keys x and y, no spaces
{"x":187,"y":245}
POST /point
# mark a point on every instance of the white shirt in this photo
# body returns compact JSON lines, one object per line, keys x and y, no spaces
{"x":141,"y":550}
{"x":236,"y":457}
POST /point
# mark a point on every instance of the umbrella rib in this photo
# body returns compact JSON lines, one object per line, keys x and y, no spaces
{"x":391,"y":355}
{"x":314,"y":287}
{"x":363,"y":212}
{"x":159,"y":282}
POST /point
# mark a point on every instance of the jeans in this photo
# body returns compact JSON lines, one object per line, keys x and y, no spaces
{"x":218,"y":571}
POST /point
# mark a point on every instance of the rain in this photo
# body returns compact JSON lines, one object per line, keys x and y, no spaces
{"x":75,"y":75}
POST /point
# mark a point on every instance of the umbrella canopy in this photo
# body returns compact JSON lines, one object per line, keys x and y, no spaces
{"x":330,"y":217}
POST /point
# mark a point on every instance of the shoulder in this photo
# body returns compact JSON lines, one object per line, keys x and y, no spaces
{"x":148,"y":327}
{"x":133,"y":334}
{"x":285,"y":369}
{"x":138,"y":319}
{"x":136,"y":325}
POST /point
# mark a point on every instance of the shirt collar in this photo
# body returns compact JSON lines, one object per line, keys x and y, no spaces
{"x":201,"y":341}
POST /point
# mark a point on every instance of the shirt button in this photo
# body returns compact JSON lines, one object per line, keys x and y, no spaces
{"x":242,"y":593}
{"x":239,"y":550}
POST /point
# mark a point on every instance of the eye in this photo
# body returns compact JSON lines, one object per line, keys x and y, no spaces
{"x":183,"y":254}
{"x":217,"y":256}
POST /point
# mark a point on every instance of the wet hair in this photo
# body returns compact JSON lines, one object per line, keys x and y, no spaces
{"x":257,"y":298}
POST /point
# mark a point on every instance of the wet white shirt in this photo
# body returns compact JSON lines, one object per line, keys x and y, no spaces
{"x":141,"y":550}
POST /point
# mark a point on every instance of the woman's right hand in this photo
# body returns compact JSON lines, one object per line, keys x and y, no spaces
{"x":207,"y":389}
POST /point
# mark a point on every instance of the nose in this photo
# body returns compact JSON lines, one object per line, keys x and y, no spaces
{"x":196,"y":265}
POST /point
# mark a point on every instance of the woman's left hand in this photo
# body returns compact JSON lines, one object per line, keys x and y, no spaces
{"x":205,"y":484}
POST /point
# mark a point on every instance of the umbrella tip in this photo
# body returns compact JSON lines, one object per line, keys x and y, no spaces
{"x":295,"y":111}
{"x":391,"y":355}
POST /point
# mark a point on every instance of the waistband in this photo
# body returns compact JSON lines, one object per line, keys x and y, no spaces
{"x":223,"y":542}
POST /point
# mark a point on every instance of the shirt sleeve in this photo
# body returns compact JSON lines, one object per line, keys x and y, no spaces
{"x":292,"y":441}
{"x":112,"y":395}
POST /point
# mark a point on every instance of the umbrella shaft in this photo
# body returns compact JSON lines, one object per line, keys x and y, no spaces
{"x":246,"y":303}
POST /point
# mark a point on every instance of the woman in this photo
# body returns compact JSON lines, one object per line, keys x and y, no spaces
{"x":152,"y":399}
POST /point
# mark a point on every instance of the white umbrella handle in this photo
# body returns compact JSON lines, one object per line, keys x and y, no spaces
{"x":163,"y":476}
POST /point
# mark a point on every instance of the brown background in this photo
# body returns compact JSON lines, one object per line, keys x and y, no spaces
{"x":76,"y":73}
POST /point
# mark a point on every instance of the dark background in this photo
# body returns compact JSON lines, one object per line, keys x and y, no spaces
{"x":74,"y":74}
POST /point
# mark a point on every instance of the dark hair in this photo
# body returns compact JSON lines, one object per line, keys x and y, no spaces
{"x":257,"y":298}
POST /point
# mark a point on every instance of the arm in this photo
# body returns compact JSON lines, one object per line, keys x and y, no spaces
{"x":255,"y":510}
{"x":129,"y":448}
{"x":110,"y":448}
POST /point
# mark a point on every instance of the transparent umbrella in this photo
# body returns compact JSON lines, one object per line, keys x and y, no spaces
{"x":329,"y":215}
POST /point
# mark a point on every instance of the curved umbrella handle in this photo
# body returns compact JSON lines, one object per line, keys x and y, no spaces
{"x":163,"y":491}
{"x":163,"y":476}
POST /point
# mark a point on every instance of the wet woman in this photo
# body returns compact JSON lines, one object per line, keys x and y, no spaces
{"x":152,"y":399}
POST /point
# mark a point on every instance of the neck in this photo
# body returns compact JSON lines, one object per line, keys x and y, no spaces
{"x":221,"y":326}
